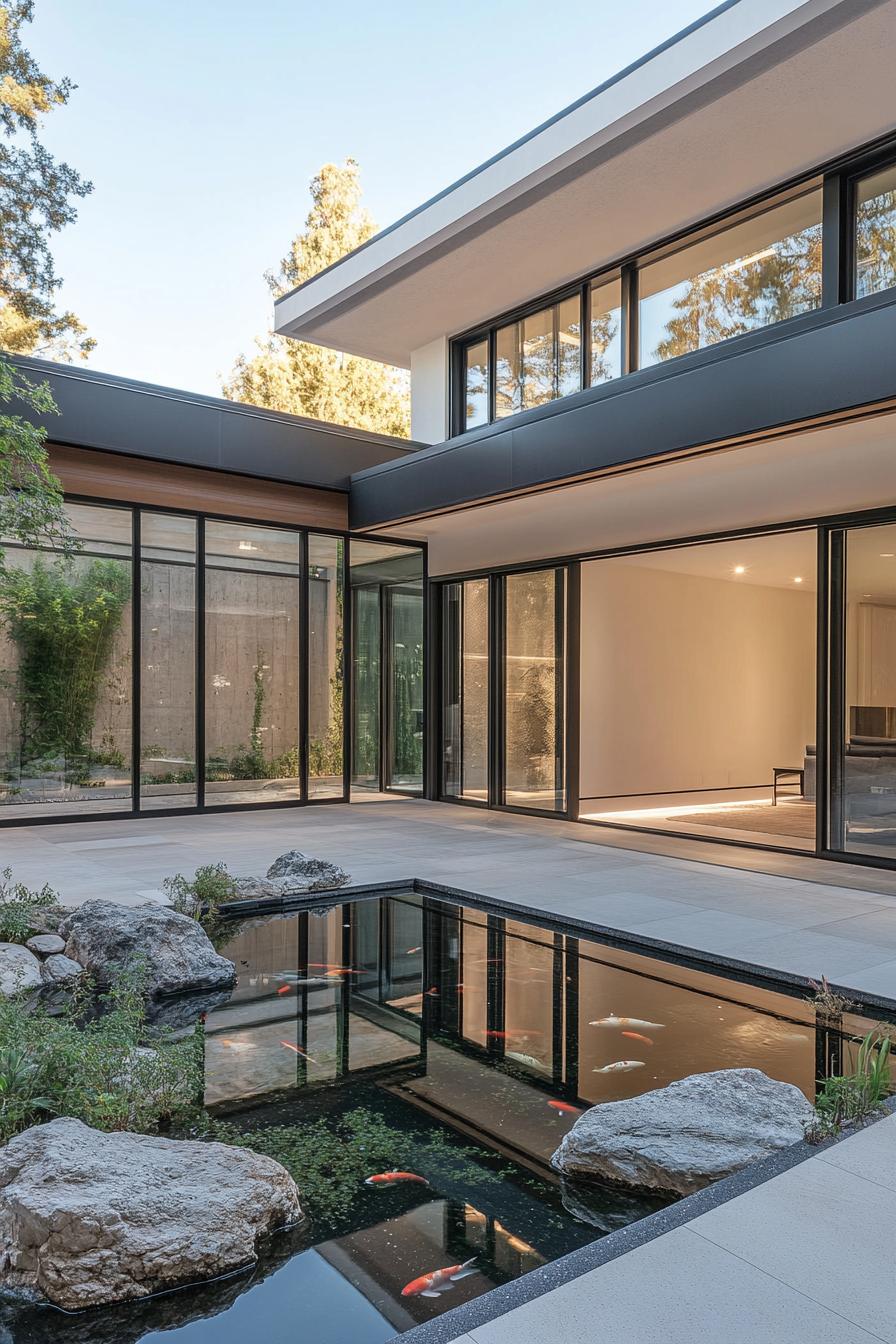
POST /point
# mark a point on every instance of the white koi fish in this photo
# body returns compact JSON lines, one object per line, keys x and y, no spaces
{"x":621,"y":1066}
{"x":637,"y":1023}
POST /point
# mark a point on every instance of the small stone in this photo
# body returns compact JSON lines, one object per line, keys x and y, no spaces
{"x":45,"y":944}
{"x":679,"y":1138}
{"x":19,"y":970}
{"x":59,"y":969}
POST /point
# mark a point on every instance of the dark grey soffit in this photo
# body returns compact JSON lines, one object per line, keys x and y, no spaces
{"x":820,"y":365}
{"x":99,"y":410}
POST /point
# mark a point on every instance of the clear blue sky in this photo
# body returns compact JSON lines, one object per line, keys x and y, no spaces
{"x":200,"y":123}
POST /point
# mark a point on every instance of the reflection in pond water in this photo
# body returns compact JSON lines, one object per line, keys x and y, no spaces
{"x":415,"y":1063}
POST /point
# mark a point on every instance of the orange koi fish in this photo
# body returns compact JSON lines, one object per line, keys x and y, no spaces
{"x":285,"y":989}
{"x":636,"y":1036}
{"x":411,"y":950}
{"x":438,"y":1281}
{"x":564,"y":1108}
{"x":239,"y":1046}
{"x":288,"y":1045}
{"x":621,"y":1066}
{"x":386,"y":1179}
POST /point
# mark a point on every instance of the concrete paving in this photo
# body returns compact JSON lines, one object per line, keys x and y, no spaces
{"x":808,"y":917}
{"x":803,"y":1258}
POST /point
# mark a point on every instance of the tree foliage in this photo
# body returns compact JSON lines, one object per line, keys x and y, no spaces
{"x":31,"y":508}
{"x":36,"y":200}
{"x":302,"y":379}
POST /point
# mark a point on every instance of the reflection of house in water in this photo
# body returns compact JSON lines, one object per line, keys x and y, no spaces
{"x":477,"y":1024}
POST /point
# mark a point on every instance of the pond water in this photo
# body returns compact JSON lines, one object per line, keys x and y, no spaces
{"x":408,"y":1033}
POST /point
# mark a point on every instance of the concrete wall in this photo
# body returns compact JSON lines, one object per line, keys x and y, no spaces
{"x":429,"y":392}
{"x":691,"y":682}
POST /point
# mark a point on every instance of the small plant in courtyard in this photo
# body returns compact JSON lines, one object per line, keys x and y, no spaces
{"x":848,"y":1099}
{"x":19,"y":907}
{"x":95,"y":1060}
{"x":201,"y":895}
{"x":827,"y":1002}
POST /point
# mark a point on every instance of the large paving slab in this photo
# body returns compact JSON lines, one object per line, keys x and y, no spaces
{"x":787,"y":912}
{"x":802,"y":1258}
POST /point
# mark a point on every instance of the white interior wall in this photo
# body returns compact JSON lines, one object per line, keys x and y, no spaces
{"x":691,"y":682}
{"x":429,"y":392}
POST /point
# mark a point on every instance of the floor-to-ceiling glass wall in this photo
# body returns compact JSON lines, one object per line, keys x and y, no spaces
{"x":698,"y":682}
{"x":465,"y":689}
{"x":167,"y":661}
{"x":252,"y":663}
{"x":65,"y":670}
{"x":387,"y":666}
{"x":533,"y":690}
{"x":863,"y":754}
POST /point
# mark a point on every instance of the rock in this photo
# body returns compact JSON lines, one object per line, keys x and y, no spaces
{"x":46,"y":944}
{"x":88,"y":1218}
{"x":175,"y":951}
{"x":307,"y":874}
{"x":182,"y":1011}
{"x":607,"y":1207}
{"x":685,"y":1136}
{"x":19,"y":970}
{"x":59,"y":970}
{"x":260,"y":888}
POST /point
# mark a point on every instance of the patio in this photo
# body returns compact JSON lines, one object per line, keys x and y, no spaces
{"x":782,"y":911}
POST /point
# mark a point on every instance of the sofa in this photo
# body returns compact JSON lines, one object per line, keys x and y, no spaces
{"x":869,"y":776}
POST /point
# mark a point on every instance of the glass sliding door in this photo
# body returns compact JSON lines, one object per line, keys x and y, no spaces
{"x":252,"y":664}
{"x":366,"y":688}
{"x":465,"y":689}
{"x":66,"y":671}
{"x":167,"y":661}
{"x":326,"y":593}
{"x":863,"y":747}
{"x":405,"y":686}
{"x":533,"y":690}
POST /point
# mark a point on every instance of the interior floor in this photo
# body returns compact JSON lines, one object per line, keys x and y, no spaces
{"x":789,"y":824}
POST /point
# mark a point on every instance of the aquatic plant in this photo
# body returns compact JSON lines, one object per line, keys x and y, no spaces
{"x":848,"y":1099}
{"x":96,"y":1059}
{"x":19,"y":906}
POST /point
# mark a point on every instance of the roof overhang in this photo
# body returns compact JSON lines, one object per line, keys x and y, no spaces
{"x":755,"y":94}
{"x":833,"y":363}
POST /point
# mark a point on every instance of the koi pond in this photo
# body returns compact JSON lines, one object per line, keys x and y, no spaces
{"x":415,"y":1063}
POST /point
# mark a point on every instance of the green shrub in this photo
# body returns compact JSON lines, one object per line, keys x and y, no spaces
{"x":200,"y":896}
{"x":89,"y":1061}
{"x":848,"y":1099}
{"x":19,"y":906}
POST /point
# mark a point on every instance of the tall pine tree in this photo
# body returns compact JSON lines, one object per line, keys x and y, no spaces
{"x":288,"y":375}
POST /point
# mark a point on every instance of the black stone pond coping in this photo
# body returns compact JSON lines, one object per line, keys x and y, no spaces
{"x":499,"y":1301}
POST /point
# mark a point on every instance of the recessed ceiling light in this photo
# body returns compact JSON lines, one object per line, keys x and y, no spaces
{"x":887,"y":555}
{"x":740,"y":569}
{"x":798,"y":579}
{"x":866,"y":594}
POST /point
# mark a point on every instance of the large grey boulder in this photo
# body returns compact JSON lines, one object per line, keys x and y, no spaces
{"x":88,"y":1218}
{"x":682,"y":1137}
{"x":303,"y":873}
{"x":174,"y":950}
{"x":19,"y":970}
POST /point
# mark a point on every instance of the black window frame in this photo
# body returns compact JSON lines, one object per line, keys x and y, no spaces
{"x":837,"y":181}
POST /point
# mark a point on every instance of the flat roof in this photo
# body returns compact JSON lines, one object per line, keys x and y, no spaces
{"x":753,"y":94}
{"x":123,"y":415}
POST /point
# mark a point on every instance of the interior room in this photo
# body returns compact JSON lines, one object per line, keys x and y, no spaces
{"x":698,"y":689}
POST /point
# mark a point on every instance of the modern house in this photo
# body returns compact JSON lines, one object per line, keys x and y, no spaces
{"x":650,"y":509}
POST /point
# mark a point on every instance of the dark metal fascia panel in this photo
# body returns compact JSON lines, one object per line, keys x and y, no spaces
{"x":143,"y":420}
{"x":819,"y":369}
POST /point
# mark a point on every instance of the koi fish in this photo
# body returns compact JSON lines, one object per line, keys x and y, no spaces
{"x":288,"y":1045}
{"x":528,"y":1060}
{"x":238,"y":1046}
{"x":438,"y":1281}
{"x":411,"y":950}
{"x":636,"y":1036}
{"x":564,"y":1108}
{"x":518,"y":1034}
{"x":285,"y":989}
{"x":621,"y":1066}
{"x":386,"y":1179}
{"x":636,"y":1022}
